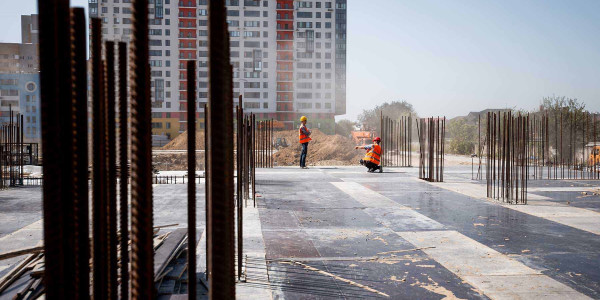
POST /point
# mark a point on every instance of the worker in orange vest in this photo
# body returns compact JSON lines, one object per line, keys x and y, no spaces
{"x":373,"y":156}
{"x":304,"y":135}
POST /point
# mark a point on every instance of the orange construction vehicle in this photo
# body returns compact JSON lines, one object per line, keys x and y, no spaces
{"x":594,"y":156}
{"x":362,"y":137}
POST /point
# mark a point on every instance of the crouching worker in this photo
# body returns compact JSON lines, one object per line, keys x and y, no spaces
{"x":371,"y":159}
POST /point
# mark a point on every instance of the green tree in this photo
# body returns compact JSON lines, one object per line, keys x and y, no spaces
{"x":344,"y":127}
{"x":463,"y":137}
{"x":370,"y":118}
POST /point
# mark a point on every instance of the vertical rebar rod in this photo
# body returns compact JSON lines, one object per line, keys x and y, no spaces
{"x":112,"y":170}
{"x":142,"y":253}
{"x":253,"y":160}
{"x":124,"y":172}
{"x":99,"y":206}
{"x":220,"y":164}
{"x":191,"y":166}
{"x":56,"y":100}
{"x":206,"y":181}
{"x":80,"y":155}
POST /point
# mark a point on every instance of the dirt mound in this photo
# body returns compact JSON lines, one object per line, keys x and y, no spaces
{"x":322,"y":150}
{"x":180,"y":142}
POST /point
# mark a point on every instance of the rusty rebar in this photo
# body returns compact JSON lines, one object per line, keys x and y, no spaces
{"x":80,"y":155}
{"x":112,"y":169}
{"x":56,"y":91}
{"x":220,"y":164}
{"x":142,"y":258}
{"x":124,"y":171}
{"x":191,"y":166}
{"x":99,"y":205}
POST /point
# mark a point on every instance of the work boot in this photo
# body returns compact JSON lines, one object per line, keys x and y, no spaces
{"x":371,"y":171}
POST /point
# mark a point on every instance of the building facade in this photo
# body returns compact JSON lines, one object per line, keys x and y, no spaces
{"x":20,"y":92}
{"x":19,"y":79}
{"x":286,"y":57}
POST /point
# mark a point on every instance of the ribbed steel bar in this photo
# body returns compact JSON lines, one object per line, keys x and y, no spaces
{"x":220,"y":163}
{"x":253,"y":161}
{"x":191,"y":166}
{"x":142,"y":258}
{"x":207,"y":147}
{"x":112,"y":169}
{"x":99,"y":205}
{"x":80,"y":155}
{"x":124,"y":172}
{"x":56,"y":92}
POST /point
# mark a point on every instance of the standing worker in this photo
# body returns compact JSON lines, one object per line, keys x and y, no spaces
{"x":304,"y":134}
{"x":371,"y":159}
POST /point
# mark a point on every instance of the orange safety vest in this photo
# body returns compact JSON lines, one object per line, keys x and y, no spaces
{"x":303,"y":137}
{"x":373,"y":154}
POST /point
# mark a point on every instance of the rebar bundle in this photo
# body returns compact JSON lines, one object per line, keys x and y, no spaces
{"x":396,"y":138}
{"x":432,"y":134}
{"x":561,"y":145}
{"x":13,"y":150}
{"x":507,"y":139}
{"x":263,"y":140}
{"x":118,"y":272}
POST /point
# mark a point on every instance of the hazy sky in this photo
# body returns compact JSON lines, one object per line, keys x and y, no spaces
{"x":452,"y":57}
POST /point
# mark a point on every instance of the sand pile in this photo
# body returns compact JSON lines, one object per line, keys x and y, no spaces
{"x":175,"y":161}
{"x":331,"y":150}
{"x":180,"y":142}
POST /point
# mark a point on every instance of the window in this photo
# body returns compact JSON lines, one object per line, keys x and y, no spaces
{"x":251,"y":104}
{"x":252,"y":23}
{"x":252,"y":95}
{"x":233,"y":13}
{"x":251,"y":13}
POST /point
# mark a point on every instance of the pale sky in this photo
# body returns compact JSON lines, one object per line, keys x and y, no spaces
{"x":452,"y":57}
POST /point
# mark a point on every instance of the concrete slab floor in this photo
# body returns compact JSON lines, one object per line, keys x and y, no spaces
{"x":342,"y":233}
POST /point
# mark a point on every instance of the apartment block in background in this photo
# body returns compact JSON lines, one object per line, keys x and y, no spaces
{"x":19,"y":79}
{"x":284,"y":56}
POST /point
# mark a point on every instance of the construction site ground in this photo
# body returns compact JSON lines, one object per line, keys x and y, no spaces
{"x":341,"y":233}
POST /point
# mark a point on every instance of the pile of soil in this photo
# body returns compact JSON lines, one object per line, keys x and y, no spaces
{"x":331,"y":150}
{"x":180,"y":142}
{"x":175,"y":161}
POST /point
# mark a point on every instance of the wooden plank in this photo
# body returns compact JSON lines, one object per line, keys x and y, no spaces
{"x":165,"y":252}
{"x":15,"y":273}
{"x":21,"y":251}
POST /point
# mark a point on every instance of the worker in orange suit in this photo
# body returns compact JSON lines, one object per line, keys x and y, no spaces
{"x":304,"y":135}
{"x":373,"y":156}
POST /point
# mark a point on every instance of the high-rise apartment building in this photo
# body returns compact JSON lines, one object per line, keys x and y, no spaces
{"x":288,"y":57}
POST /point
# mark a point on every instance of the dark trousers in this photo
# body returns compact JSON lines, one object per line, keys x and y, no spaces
{"x":303,"y":154}
{"x":369,"y":164}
